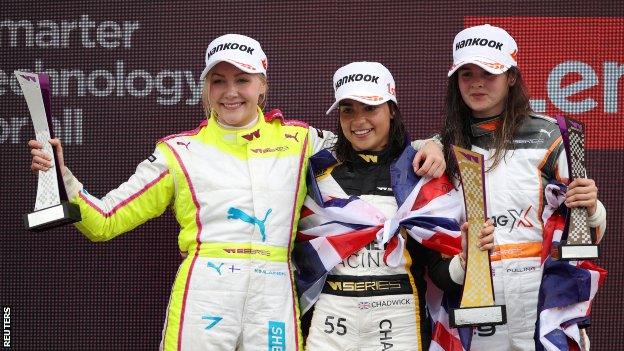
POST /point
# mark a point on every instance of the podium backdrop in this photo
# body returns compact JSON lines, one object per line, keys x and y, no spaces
{"x":125,"y":75}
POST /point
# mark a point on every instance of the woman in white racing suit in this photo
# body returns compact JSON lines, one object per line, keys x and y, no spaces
{"x":487,"y":110}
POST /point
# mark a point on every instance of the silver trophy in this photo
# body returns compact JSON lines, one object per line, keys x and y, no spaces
{"x":578,"y":244}
{"x":52,"y":208}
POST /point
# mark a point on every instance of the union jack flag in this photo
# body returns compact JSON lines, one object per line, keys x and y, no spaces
{"x":331,"y":229}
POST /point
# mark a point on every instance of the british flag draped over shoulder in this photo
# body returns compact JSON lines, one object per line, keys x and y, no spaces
{"x":332,"y":229}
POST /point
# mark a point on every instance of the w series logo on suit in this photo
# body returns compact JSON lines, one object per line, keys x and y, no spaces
{"x":252,"y":135}
{"x":369,"y":158}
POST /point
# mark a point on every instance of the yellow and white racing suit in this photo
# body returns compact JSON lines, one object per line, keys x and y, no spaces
{"x":236,"y":194}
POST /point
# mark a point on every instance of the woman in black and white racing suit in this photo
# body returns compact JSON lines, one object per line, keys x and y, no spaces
{"x":366,"y":304}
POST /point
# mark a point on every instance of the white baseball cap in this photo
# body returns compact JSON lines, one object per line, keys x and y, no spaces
{"x":239,"y":50}
{"x":488,"y":47}
{"x":367,"y":82}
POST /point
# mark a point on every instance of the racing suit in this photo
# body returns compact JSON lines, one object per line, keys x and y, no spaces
{"x":515,"y":202}
{"x":236,"y":194}
{"x":365,"y":304}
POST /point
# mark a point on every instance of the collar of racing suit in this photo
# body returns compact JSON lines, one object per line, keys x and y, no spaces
{"x":483,"y":126}
{"x":365,"y":159}
{"x":366,"y":173}
{"x":236,"y":136}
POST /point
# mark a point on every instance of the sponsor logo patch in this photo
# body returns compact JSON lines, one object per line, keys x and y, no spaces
{"x":277,"y":336}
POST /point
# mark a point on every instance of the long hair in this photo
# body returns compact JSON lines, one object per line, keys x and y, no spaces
{"x":456,"y":128}
{"x":396,"y":139}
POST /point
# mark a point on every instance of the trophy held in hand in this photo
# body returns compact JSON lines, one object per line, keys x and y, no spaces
{"x":576,"y":240}
{"x":477,"y":306}
{"x":52,"y":208}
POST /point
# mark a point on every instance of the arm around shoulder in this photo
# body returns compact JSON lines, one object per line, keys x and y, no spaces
{"x":320,"y":139}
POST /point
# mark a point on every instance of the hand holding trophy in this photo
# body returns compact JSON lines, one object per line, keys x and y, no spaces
{"x":477,"y":303}
{"x":52,"y":208}
{"x":576,"y":243}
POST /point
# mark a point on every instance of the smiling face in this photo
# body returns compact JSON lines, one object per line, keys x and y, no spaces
{"x":233,"y":94}
{"x":366,"y":127}
{"x":484,"y":93}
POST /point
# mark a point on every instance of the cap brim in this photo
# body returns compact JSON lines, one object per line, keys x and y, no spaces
{"x":243,"y":67}
{"x":365,"y":99}
{"x":489,"y":65}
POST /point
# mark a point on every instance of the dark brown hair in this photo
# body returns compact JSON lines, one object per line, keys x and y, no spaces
{"x":456,"y":127}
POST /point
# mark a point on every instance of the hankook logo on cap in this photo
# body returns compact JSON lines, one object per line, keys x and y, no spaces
{"x":231,"y":46}
{"x":357,"y":77}
{"x":480,"y":42}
